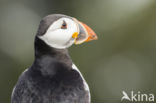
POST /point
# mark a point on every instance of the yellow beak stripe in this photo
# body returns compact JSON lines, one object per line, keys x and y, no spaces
{"x":75,"y":35}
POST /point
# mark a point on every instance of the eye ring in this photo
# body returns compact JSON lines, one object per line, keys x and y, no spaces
{"x":64,"y":25}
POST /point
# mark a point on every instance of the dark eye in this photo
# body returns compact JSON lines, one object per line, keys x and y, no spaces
{"x":64,"y":25}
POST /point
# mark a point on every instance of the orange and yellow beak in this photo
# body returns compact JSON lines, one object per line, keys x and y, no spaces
{"x":91,"y":34}
{"x":85,"y":33}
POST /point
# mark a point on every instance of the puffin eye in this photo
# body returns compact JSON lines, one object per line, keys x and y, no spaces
{"x":64,"y":25}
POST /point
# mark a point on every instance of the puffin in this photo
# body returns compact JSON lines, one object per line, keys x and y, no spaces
{"x":53,"y":77}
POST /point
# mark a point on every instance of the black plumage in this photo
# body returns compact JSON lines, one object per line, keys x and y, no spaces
{"x":51,"y":78}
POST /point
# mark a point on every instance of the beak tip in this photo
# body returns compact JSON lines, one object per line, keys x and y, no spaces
{"x":94,"y":37}
{"x":88,"y":33}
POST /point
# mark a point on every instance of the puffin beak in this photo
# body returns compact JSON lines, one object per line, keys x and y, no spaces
{"x":85,"y":33}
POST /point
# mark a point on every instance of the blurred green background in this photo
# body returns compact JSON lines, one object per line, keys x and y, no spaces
{"x":123,"y":58}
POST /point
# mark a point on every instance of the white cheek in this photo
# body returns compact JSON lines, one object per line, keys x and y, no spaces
{"x":60,"y":38}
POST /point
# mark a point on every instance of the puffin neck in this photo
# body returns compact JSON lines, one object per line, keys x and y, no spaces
{"x":48,"y":58}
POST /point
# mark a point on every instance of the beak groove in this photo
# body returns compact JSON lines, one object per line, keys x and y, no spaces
{"x":90,"y":32}
{"x":85,"y":33}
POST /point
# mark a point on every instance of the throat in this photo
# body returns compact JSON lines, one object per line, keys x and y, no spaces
{"x":48,"y":59}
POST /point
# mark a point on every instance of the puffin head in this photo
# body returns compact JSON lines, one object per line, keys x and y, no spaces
{"x":61,"y":31}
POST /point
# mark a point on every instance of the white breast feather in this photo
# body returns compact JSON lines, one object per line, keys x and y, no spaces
{"x":84,"y":81}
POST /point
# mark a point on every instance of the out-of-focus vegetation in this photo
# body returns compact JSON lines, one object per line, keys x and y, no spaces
{"x":124,"y":57}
